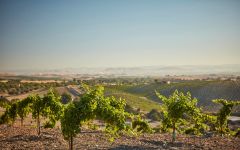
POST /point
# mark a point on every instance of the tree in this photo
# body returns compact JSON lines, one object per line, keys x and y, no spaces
{"x":93,"y":105}
{"x":176,"y":107}
{"x":70,"y":123}
{"x":224,"y":113}
{"x":53,"y":108}
{"x":12,"y":111}
{"x":37,"y":110}
{"x":4,"y":103}
{"x":48,"y":106}
{"x":10,"y":114}
{"x":23,"y":108}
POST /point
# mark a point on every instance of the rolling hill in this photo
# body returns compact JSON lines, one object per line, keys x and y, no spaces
{"x":204,"y":91}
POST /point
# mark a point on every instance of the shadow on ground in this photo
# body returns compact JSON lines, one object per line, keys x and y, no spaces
{"x":29,"y":138}
{"x":127,"y":147}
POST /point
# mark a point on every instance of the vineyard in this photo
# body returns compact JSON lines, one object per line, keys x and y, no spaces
{"x":204,"y":91}
{"x":104,"y":115}
{"x":120,"y":75}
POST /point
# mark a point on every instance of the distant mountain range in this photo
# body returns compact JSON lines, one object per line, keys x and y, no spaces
{"x":233,"y":69}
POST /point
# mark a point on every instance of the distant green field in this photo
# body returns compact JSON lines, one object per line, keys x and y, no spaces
{"x":136,"y":101}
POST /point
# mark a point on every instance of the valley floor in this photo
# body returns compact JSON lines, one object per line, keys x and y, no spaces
{"x":26,"y":138}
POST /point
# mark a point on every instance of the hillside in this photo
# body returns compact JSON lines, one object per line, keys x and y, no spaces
{"x":135,"y":101}
{"x":204,"y":91}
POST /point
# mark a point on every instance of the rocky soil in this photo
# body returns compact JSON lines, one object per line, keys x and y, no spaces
{"x":26,"y":138}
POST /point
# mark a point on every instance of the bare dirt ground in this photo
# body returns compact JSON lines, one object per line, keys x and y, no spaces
{"x":26,"y":138}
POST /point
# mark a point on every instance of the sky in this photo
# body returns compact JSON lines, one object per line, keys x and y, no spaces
{"x":118,"y":33}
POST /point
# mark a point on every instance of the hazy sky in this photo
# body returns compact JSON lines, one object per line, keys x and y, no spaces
{"x":109,"y":33}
